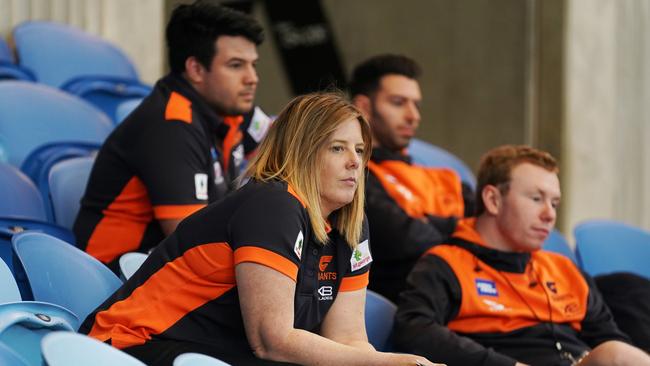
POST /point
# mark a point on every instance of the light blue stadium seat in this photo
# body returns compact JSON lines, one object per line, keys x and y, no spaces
{"x":74,"y":349}
{"x":558,"y":244}
{"x":19,"y":198}
{"x":67,"y":184}
{"x":130,"y":263}
{"x":68,"y":58}
{"x":62,"y":274}
{"x":379,"y":316}
{"x":8,"y":287}
{"x":32,"y":115}
{"x":9,"y":357}
{"x":197,"y":359}
{"x":424,"y":153}
{"x":125,"y":108}
{"x":8,"y":68}
{"x":606,"y":246}
{"x":24,"y":324}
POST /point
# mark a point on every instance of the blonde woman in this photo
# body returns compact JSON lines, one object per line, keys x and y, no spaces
{"x":276,"y":271}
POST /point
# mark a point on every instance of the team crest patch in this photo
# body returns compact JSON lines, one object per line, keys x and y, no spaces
{"x":297,"y":247}
{"x":201,"y":186}
{"x":360,"y":256}
{"x":486,"y":287}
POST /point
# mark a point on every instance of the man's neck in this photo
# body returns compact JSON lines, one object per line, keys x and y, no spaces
{"x":488,"y":230}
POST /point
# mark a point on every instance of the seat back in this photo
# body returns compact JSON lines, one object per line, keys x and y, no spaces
{"x":606,"y":246}
{"x":58,"y":53}
{"x":197,"y":359}
{"x":9,"y":357}
{"x":32,"y":115}
{"x":62,"y":274}
{"x":24,"y":324}
{"x":8,"y":288}
{"x":424,"y":153}
{"x":125,"y":108}
{"x":379,"y":317}
{"x":557,"y":243}
{"x":74,"y":349}
{"x":5,"y":52}
{"x":67,"y":184}
{"x":129,"y":264}
{"x":19,"y":198}
{"x":8,"y":68}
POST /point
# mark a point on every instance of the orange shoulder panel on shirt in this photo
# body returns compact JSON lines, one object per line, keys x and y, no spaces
{"x":267,"y":258}
{"x":200,"y":275}
{"x":124,"y":223}
{"x":293,"y":193}
{"x":233,"y":137}
{"x":354,"y":283}
{"x":421,"y":191}
{"x":178,"y":108}
{"x":175,"y":212}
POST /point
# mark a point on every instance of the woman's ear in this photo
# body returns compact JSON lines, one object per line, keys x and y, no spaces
{"x":491,"y":199}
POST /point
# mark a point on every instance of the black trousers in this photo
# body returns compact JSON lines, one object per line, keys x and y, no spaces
{"x":163,"y":353}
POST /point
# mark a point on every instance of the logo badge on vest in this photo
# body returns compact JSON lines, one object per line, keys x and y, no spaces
{"x":201,"y":186}
{"x":360,"y":256}
{"x":297,"y":247}
{"x":551,"y":286}
{"x":486,"y":287}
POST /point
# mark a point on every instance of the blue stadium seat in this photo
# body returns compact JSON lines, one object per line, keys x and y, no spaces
{"x":197,"y":359}
{"x":61,"y":274}
{"x":79,"y":63}
{"x":125,"y":108}
{"x":32,"y":115}
{"x":606,"y":246}
{"x":8,"y":287}
{"x":67,"y":184}
{"x":8,"y":69}
{"x":558,"y":244}
{"x":24,"y":324}
{"x":379,"y":314}
{"x":424,"y":153}
{"x":74,"y":349}
{"x":19,"y":198}
{"x":9,"y":357}
{"x":130,"y":263}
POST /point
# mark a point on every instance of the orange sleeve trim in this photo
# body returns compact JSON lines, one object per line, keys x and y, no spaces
{"x":165,"y":212}
{"x":267,"y":258}
{"x":178,"y":108}
{"x":355,"y":282}
{"x":293,"y":193}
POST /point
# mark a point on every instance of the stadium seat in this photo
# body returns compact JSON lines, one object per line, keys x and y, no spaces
{"x":74,"y":349}
{"x":379,"y":314}
{"x":66,"y":57}
{"x":197,"y":359}
{"x":61,"y":274}
{"x":32,"y":115}
{"x":8,"y":288}
{"x":66,"y":186}
{"x":8,"y":69}
{"x":19,"y":198}
{"x":606,"y":246}
{"x":24,"y":324}
{"x":125,"y":108}
{"x":9,"y":357}
{"x":558,"y":244}
{"x":129,"y":264}
{"x":424,"y":153}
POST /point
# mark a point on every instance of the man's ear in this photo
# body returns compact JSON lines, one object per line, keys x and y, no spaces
{"x":194,"y":70}
{"x":492,"y":199}
{"x":364,"y":104}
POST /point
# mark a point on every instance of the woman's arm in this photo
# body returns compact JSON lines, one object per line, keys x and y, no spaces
{"x":345,"y":321}
{"x":267,"y":302}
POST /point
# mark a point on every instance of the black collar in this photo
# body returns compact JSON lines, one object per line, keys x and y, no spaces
{"x":497,"y":259}
{"x":380,"y":154}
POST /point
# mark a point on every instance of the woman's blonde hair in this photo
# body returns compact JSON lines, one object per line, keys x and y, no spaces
{"x":291,"y":152}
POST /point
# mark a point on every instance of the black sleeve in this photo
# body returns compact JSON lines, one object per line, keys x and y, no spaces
{"x":598,"y":325}
{"x":469,"y":200}
{"x":431,"y":299}
{"x":389,"y":225}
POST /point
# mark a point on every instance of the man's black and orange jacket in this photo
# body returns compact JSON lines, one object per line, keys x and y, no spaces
{"x":410,"y":208}
{"x":466,"y":304}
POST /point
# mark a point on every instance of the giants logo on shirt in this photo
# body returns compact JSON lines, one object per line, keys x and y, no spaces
{"x":322,"y":266}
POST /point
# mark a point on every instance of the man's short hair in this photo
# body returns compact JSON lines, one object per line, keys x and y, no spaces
{"x":193,"y":29}
{"x":367,"y":75}
{"x":497,"y":164}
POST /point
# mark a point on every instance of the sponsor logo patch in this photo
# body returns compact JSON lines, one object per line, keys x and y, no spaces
{"x":260,"y":124}
{"x":494,"y":306}
{"x":551,"y":286}
{"x":360,"y":256}
{"x":201,"y":186}
{"x":325,"y":293}
{"x":297,"y":247}
{"x":486,"y":287}
{"x":218,"y":174}
{"x":238,"y":155}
